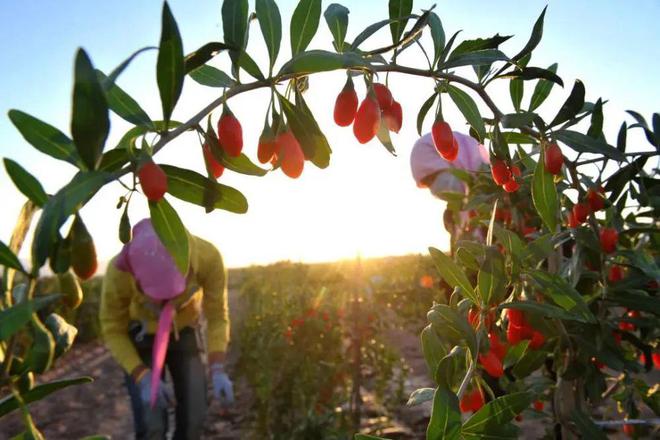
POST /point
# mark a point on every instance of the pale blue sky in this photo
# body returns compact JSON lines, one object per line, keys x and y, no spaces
{"x":366,"y":201}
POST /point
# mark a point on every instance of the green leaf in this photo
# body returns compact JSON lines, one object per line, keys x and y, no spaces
{"x":171,"y":232}
{"x":491,"y":277}
{"x":445,"y":423}
{"x":478,"y":44}
{"x":617,"y":181}
{"x":634,"y":300}
{"x":16,"y":317}
{"x":432,"y":349}
{"x":367,"y":437}
{"x":641,"y":123}
{"x":306,"y":130}
{"x":113,"y":160}
{"x":596,"y":127}
{"x":529,"y":363}
{"x":211,"y":77}
{"x":26,"y":182}
{"x":383,"y":136}
{"x":202,"y":55}
{"x":122,"y":104}
{"x":234,"y":25}
{"x":452,"y":326}
{"x":420,"y":396}
{"x":90,"y":122}
{"x":542,"y":90}
{"x":190,"y":186}
{"x":45,"y":138}
{"x":478,"y":58}
{"x":399,"y":9}
{"x":529,"y":73}
{"x":447,"y":48}
{"x":469,"y":109}
{"x":8,"y":259}
{"x":516,"y":90}
{"x":517,"y":120}
{"x":572,"y":106}
{"x":622,"y":137}
{"x":246,"y":63}
{"x":170,"y":64}
{"x":452,"y":274}
{"x":314,"y":61}
{"x":554,"y":287}
{"x":586,"y":426}
{"x":585,"y":144}
{"x":336,"y":16}
{"x":59,"y":207}
{"x":512,"y":137}
{"x":241,"y":164}
{"x":437,"y":35}
{"x":424,"y":109}
{"x":497,"y":413}
{"x":9,"y":403}
{"x":534,"y":39}
{"x":372,"y":29}
{"x":515,"y":353}
{"x":270,"y":23}
{"x":544,"y":195}
{"x":119,"y":69}
{"x":63,"y":333}
{"x":304,"y":23}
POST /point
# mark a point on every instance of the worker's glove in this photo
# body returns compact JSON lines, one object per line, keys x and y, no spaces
{"x":165,"y":395}
{"x":223,"y":389}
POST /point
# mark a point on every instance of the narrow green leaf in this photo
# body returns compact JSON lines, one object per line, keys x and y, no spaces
{"x":515,"y":353}
{"x":16,"y":317}
{"x":477,"y":58}
{"x":9,"y":403}
{"x":314,"y":61}
{"x":542,"y":90}
{"x":512,"y":137}
{"x":497,"y":413}
{"x":26,"y":182}
{"x":122,"y":104}
{"x":622,"y":137}
{"x":478,"y":44}
{"x":372,"y":29}
{"x":190,"y":186}
{"x":563,"y":294}
{"x":585,"y":144}
{"x":447,"y":49}
{"x":170,"y":64}
{"x":432,"y":348}
{"x":171,"y":232}
{"x":468,"y":107}
{"x":437,"y":35}
{"x":45,"y":138}
{"x":90,"y":123}
{"x":544,"y":195}
{"x":424,"y":109}
{"x":383,"y":136}
{"x":304,"y":23}
{"x":246,"y":63}
{"x":618,"y":181}
{"x":586,"y":426}
{"x":530,"y":362}
{"x":399,"y":9}
{"x":596,"y":127}
{"x":420,"y":395}
{"x":336,"y":16}
{"x":445,"y":423}
{"x":8,"y":259}
{"x":235,"y":26}
{"x":113,"y":160}
{"x":59,"y":207}
{"x":202,"y":55}
{"x":516,"y":90}
{"x":491,"y":277}
{"x":534,"y":39}
{"x":211,"y":77}
{"x":529,"y":73}
{"x":517,"y":120}
{"x":452,"y":274}
{"x":572,"y":106}
{"x":119,"y":69}
{"x":270,"y":23}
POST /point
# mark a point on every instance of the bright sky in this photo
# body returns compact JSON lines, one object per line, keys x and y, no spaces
{"x":366,"y":201}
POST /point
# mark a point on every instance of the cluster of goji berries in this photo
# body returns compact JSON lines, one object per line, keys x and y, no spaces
{"x":581,"y":210}
{"x":296,"y":324}
{"x":378,"y":107}
{"x":505,"y":175}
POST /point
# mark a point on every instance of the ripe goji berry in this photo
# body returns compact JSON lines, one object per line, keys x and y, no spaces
{"x":443,"y":138}
{"x":615,"y":274}
{"x":153,"y":181}
{"x":290,"y":154}
{"x":393,"y":116}
{"x":367,"y":120}
{"x":537,"y":340}
{"x":230,"y":134}
{"x":383,"y":95}
{"x":656,"y":360}
{"x":538,"y":405}
{"x":596,"y":199}
{"x":511,"y":186}
{"x":629,"y":430}
{"x":554,"y":159}
{"x":608,"y":239}
{"x":516,"y":317}
{"x":346,"y":105}
{"x":491,"y":363}
{"x":515,"y":170}
{"x":215,"y":168}
{"x":580,"y":212}
{"x":477,"y":400}
{"x":500,"y":172}
{"x":426,"y":281}
{"x":496,"y":346}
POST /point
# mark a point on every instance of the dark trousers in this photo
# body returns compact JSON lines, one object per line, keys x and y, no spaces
{"x":185,"y":365}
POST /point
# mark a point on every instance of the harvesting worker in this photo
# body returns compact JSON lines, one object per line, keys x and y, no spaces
{"x":432,"y":158}
{"x":150,"y":318}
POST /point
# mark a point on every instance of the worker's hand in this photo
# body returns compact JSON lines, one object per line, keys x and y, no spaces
{"x":165,"y":395}
{"x":223,"y":390}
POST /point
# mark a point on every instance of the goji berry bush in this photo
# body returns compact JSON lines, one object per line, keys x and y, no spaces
{"x":554,"y":281}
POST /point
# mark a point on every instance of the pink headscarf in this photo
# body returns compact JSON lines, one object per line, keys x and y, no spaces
{"x":146,"y":258}
{"x":425,"y":160}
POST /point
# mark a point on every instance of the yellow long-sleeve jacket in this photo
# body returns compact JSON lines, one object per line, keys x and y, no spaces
{"x":122,"y":302}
